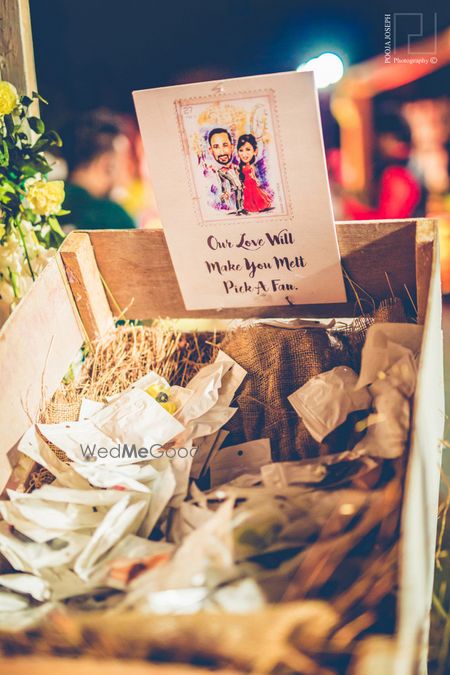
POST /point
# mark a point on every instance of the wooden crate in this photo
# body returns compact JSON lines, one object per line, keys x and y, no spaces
{"x":98,"y":275}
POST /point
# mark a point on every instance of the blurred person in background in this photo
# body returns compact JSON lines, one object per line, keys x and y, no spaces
{"x":398,"y":191}
{"x":136,"y":195}
{"x":96,"y":151}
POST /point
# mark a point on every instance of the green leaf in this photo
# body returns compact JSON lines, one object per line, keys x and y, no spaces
{"x":63,"y":212}
{"x":56,"y":227}
{"x":36,"y":164}
{"x":14,"y":284}
{"x":9,"y":124}
{"x":36,"y":125}
{"x":5,"y":189}
{"x":48,"y":139}
{"x":54,"y":138}
{"x":4,"y":154}
{"x":38,"y":96}
{"x":41,"y":144}
{"x":69,"y":376}
{"x":45,"y":238}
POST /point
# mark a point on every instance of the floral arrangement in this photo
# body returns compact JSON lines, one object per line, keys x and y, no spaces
{"x":29,"y":202}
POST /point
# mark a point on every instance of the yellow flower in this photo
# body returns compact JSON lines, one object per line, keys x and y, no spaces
{"x":44,"y":198}
{"x":8,"y":98}
{"x":2,"y":230}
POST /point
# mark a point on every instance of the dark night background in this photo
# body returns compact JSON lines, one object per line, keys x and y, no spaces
{"x":92,"y":53}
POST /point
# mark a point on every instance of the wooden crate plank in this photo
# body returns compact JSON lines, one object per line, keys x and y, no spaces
{"x":37,"y":345}
{"x":420,"y":503}
{"x":87,"y":288}
{"x":137,"y":269}
{"x":43,"y":665}
{"x":426,"y":244}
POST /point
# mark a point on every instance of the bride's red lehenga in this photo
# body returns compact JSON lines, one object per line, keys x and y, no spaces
{"x":255,"y":198}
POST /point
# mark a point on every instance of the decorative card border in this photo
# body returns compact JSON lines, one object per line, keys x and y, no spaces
{"x":220,"y":95}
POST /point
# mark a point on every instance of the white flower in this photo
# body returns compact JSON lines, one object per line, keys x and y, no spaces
{"x":6,"y":292}
{"x":13,"y":261}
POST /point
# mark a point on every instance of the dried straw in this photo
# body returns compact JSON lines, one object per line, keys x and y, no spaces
{"x":300,"y":635}
{"x":127,"y":353}
{"x":117,"y":360}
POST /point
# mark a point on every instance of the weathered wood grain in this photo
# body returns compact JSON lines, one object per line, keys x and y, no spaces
{"x":37,"y":344}
{"x":16,"y":46}
{"x":421,"y":494}
{"x":86,"y":285}
{"x":427,"y":248}
{"x":138,"y":271}
{"x":43,"y":665}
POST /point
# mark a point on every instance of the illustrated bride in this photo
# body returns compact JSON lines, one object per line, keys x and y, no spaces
{"x":255,"y":198}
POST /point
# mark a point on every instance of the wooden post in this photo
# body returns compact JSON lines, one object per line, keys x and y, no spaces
{"x":16,"y":46}
{"x":17,"y":67}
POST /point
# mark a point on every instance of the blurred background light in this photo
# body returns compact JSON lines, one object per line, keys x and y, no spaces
{"x":328,"y":69}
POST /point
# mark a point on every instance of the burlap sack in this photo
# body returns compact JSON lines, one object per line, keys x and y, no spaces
{"x":55,"y":412}
{"x":278,"y":362}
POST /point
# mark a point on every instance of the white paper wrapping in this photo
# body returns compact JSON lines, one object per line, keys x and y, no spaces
{"x":137,"y":418}
{"x":325,"y":401}
{"x":230,"y":462}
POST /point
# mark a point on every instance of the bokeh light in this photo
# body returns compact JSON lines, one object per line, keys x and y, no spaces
{"x":328,"y":69}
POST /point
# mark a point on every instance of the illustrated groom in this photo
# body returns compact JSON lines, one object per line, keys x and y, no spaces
{"x":221,"y":147}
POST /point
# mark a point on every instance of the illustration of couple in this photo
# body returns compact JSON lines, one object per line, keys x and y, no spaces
{"x":238,"y":179}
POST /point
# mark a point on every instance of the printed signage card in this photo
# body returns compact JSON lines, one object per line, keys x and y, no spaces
{"x":239,"y":174}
